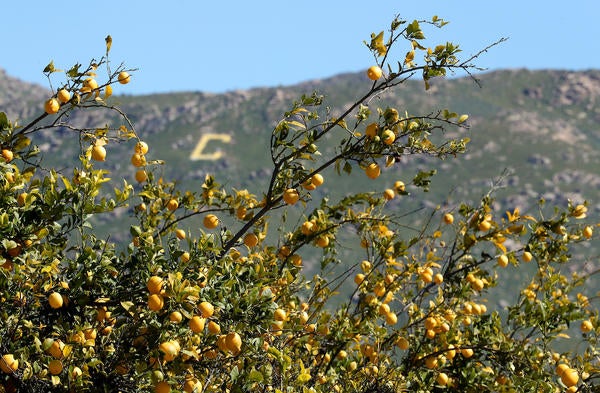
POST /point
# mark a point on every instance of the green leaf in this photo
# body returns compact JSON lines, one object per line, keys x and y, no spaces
{"x":66,"y":183}
{"x":4,"y":123}
{"x":74,"y":71}
{"x":423,"y":179}
{"x":234,"y":374}
{"x":347,"y":167}
{"x":255,"y":376}
{"x":135,"y":230}
{"x":50,"y":67}
{"x":377,"y":44}
{"x":127,"y":306}
{"x":413,"y":30}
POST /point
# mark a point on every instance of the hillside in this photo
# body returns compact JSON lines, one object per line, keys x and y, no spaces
{"x":540,"y":125}
{"x":541,"y":128}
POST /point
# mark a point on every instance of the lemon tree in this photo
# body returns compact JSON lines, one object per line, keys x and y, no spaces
{"x":228,"y":306}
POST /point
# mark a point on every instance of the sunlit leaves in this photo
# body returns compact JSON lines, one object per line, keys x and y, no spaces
{"x":395,"y":301}
{"x":377,"y":44}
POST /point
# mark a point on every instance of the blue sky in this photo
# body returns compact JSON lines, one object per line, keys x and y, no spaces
{"x":192,"y":45}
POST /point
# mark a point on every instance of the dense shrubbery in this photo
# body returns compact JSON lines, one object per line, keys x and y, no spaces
{"x":227,"y":308}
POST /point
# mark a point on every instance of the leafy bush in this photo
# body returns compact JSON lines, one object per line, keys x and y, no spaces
{"x":227,"y":307}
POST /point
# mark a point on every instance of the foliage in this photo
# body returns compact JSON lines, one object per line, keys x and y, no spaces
{"x":228,"y":308}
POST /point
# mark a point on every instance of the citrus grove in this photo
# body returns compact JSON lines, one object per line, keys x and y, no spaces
{"x":227,"y":306}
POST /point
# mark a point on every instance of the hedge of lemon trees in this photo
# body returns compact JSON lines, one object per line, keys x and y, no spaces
{"x":228,"y":308}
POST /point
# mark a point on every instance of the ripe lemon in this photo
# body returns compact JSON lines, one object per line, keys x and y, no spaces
{"x":55,"y":367}
{"x":124,"y":77}
{"x":588,"y":232}
{"x":477,"y":284}
{"x":154,"y":284}
{"x":221,"y":343}
{"x":383,"y":309}
{"x":570,"y":377}
{"x":527,"y":256}
{"x":63,"y":96}
{"x":55,"y":300}
{"x":90,"y":83}
{"x":467,"y":352}
{"x":241,"y":212}
{"x":402,"y":343}
{"x":322,"y":241}
{"x":371,"y":130}
{"x":8,"y":363}
{"x":366,"y":266}
{"x":185,"y":257}
{"x":98,"y":153}
{"x":291,"y":196}
{"x":484,"y":226}
{"x":192,"y":385}
{"x":503,"y":260}
{"x":317,"y":179}
{"x":303,"y":318}
{"x":442,"y":379}
{"x":206,"y":309}
{"x":162,"y":387}
{"x":279,"y":315}
{"x":448,"y":218}
{"x":138,"y":160}
{"x":213,"y":327}
{"x":307,"y":227}
{"x":374,"y":72}
{"x":175,"y":317}
{"x":51,"y":106}
{"x":168,"y":348}
{"x":352,"y":366}
{"x":373,"y":170}
{"x":296,"y":260}
{"x":561,"y":368}
{"x":210,"y":221}
{"x":284,"y":252}
{"x":426,"y":277}
{"x":233,"y":342}
{"x":391,"y":318}
{"x":399,"y":186}
{"x":141,"y":176}
{"x":586,"y":326}
{"x":389,"y":194}
{"x":431,"y":362}
{"x":180,"y":234}
{"x":196,"y":324}
{"x":388,"y":137}
{"x":7,"y":155}
{"x":430,"y":323}
{"x":359,"y":278}
{"x":308,"y":185}
{"x":155,"y":302}
{"x":250,"y":240}
{"x":172,"y":205}
{"x":141,"y":147}
{"x":56,"y":349}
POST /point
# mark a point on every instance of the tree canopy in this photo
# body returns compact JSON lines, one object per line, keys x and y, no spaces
{"x":227,"y":306}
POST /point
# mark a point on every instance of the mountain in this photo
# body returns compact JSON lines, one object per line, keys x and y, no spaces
{"x":542,"y":126}
{"x":541,"y":129}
